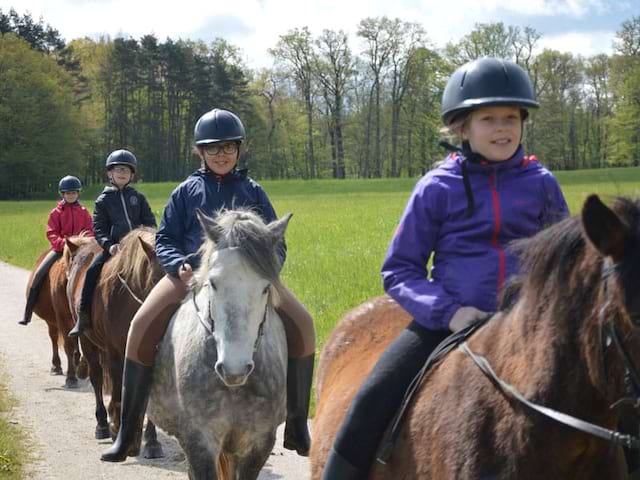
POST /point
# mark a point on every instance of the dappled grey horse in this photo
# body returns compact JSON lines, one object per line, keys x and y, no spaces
{"x":220,"y":373}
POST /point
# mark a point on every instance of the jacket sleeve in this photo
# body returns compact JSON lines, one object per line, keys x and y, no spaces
{"x":146,"y":215}
{"x":555,"y":205}
{"x":169,"y":247}
{"x":404,"y":270}
{"x":86,"y":222}
{"x":102,"y":225}
{"x":54,"y":231}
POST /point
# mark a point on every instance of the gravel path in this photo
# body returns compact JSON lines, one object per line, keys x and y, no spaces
{"x":61,"y":422}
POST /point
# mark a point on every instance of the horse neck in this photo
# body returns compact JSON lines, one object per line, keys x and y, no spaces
{"x":559,"y":339}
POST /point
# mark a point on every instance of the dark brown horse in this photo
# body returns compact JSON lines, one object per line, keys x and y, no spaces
{"x":556,"y":345}
{"x":52,"y":306}
{"x":125,"y":281}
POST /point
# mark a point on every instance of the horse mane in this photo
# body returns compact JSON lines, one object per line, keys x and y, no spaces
{"x":131,"y":262}
{"x":80,"y":241}
{"x":244,"y":230}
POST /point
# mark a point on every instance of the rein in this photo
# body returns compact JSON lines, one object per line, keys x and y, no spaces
{"x":632,"y":380}
{"x":128,"y":289}
{"x":209,"y":325}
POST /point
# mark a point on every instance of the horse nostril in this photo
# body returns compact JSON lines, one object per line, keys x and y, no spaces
{"x":250,"y":367}
{"x":220,"y":369}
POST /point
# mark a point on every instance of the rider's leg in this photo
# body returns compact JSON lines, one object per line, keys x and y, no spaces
{"x":38,"y":279}
{"x":301,"y":342}
{"x":86,"y":298}
{"x":377,"y":401}
{"x":146,"y":331}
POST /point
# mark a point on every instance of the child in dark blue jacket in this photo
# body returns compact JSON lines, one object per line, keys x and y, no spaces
{"x":118,"y":210}
{"x":217,"y":185}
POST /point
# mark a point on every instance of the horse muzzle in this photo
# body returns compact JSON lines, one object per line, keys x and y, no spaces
{"x":232,"y":378}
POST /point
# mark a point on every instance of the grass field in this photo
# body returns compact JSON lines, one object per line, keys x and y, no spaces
{"x":337,"y":237}
{"x":13,"y":453}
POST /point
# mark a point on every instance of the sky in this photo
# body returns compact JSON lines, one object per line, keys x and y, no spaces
{"x":584,"y":27}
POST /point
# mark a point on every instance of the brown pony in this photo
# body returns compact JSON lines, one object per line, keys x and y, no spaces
{"x":556,"y":345}
{"x":52,"y":306}
{"x":125,"y":281}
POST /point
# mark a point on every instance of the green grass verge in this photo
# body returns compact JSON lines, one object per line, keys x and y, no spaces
{"x":12,"y":439}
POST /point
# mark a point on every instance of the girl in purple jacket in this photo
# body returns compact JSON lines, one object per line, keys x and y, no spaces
{"x":464,"y":212}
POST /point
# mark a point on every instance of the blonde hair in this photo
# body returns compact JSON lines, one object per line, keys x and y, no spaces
{"x":452,"y":132}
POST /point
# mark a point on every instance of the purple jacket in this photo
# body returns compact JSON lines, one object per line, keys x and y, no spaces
{"x":513,"y":199}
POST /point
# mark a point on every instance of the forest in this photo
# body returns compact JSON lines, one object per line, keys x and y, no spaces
{"x":326,"y":109}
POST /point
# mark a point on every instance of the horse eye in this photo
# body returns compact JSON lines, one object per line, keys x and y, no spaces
{"x":266,"y":290}
{"x":213,"y":286}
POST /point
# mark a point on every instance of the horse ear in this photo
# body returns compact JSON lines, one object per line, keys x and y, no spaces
{"x":209,"y":225}
{"x":148,"y":249}
{"x":278,"y":227}
{"x":71,"y":245}
{"x":603,"y":227}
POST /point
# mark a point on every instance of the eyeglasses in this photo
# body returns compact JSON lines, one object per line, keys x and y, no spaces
{"x":121,"y":169}
{"x":217,"y":149}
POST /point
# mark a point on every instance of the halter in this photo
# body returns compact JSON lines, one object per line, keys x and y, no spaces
{"x":632,"y":381}
{"x":209,"y":323}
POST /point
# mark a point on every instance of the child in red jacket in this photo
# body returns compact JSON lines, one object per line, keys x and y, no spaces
{"x":67,"y":219}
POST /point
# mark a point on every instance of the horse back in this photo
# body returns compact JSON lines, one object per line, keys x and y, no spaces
{"x":346,"y":360}
{"x":52,"y":305}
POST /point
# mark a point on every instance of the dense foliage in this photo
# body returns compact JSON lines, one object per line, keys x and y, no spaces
{"x":322,"y":111}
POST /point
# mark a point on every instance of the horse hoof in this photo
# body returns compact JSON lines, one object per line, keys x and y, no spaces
{"x":102,"y":433}
{"x":71,"y":383}
{"x":56,"y":371}
{"x":153,"y":450}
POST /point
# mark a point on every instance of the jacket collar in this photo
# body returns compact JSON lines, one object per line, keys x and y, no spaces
{"x":235,"y":175}
{"x":484,"y":166}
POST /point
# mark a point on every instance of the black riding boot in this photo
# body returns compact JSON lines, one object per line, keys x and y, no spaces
{"x":83,"y":323}
{"x":339,"y":468}
{"x":31,"y":302}
{"x":296,"y":430}
{"x":135,"y":393}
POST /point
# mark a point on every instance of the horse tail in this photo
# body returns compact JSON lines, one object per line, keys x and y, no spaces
{"x":225,"y":467}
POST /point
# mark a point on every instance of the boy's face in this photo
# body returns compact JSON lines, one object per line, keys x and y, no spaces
{"x":222,"y":157}
{"x":70,"y":197}
{"x":494,"y":132}
{"x":120,"y":175}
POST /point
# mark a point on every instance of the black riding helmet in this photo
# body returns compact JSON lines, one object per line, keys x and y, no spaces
{"x":218,"y":126}
{"x":122,"y":157}
{"x":69,"y":184}
{"x":487,"y":82}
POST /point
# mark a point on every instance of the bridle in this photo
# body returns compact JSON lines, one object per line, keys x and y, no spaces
{"x":632,"y":379}
{"x":209,"y":323}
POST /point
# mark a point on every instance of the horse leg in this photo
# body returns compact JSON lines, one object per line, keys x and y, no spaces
{"x":201,"y":458}
{"x":92,"y":356}
{"x":70,"y":348}
{"x":152,"y":447}
{"x":56,"y":368}
{"x":116,"y":367}
{"x":249,"y":466}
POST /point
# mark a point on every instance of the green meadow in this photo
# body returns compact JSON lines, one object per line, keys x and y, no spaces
{"x":337,"y":237}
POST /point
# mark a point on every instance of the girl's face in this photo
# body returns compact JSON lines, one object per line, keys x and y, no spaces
{"x":70,"y":197}
{"x":494,"y":132}
{"x":120,"y":175}
{"x":222,"y":157}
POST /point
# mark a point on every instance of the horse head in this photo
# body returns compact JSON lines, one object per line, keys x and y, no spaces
{"x":241,"y":262}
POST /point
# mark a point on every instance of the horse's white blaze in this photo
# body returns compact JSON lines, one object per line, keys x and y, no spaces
{"x":238,"y":307}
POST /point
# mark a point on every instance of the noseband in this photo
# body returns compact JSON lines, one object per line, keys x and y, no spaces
{"x":209,"y":323}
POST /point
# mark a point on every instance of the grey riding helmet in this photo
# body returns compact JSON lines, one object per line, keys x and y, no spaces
{"x":218,"y":126}
{"x":122,"y":157}
{"x":487,"y":82}
{"x":69,"y":184}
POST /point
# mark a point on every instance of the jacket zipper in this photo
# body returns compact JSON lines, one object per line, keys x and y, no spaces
{"x":124,"y":206}
{"x":493,"y":184}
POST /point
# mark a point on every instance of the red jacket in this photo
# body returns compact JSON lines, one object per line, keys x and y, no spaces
{"x":66,"y":220}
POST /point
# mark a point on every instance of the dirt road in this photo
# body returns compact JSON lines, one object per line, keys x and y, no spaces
{"x":61,"y":422}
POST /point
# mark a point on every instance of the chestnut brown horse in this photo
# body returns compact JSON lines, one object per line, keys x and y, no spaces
{"x":52,"y":306}
{"x":562,"y":344}
{"x":125,"y":281}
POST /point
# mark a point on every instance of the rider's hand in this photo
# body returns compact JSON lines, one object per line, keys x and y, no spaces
{"x":464,"y":317}
{"x":113,"y":249}
{"x":185,"y":273}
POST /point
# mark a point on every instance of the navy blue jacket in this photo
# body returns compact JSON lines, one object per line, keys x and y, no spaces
{"x":117,"y":212}
{"x":180,"y":233}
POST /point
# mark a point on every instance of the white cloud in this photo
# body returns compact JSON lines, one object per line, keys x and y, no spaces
{"x":579,"y":43}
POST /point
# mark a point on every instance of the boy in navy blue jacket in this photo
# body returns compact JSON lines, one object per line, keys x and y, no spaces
{"x":217,"y":185}
{"x":118,"y":210}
